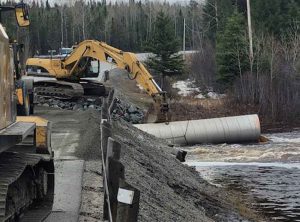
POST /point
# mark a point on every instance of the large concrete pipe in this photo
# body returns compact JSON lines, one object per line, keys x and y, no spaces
{"x":218,"y":130}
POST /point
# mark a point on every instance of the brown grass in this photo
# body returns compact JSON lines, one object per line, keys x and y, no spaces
{"x":188,"y":108}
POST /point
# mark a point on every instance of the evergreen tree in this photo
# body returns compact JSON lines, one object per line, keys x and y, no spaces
{"x":215,"y":15}
{"x":231,"y":56}
{"x":275,"y":16}
{"x":164,"y":45}
{"x":47,"y":5}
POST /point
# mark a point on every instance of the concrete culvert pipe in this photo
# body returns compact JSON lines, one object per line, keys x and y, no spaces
{"x":234,"y":129}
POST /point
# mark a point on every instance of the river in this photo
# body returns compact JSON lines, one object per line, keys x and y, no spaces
{"x":268,"y":174}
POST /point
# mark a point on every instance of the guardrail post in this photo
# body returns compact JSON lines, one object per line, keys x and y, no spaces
{"x":128,"y":203}
{"x":112,"y":106}
{"x":115,"y":170}
{"x":104,"y":109}
{"x":121,"y":200}
{"x":110,"y":96}
{"x":105,"y":133}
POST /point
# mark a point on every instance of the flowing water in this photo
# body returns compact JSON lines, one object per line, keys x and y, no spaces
{"x":268,"y":174}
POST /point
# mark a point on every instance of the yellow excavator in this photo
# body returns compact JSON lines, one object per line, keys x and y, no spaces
{"x":70,"y":70}
{"x":26,"y":158}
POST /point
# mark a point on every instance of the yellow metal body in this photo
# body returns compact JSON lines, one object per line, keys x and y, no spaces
{"x":9,"y":95}
{"x":21,"y":12}
{"x":64,"y":68}
{"x":19,"y":93}
{"x":42,"y":132}
{"x":7,"y":81}
{"x":7,"y":87}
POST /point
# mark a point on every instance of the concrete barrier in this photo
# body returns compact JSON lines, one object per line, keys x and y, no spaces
{"x":234,"y":129}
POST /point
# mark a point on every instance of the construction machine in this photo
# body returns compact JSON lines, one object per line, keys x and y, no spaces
{"x":71,"y":69}
{"x":26,"y":158}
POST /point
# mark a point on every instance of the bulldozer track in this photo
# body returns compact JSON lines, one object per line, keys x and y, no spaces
{"x":20,"y":184}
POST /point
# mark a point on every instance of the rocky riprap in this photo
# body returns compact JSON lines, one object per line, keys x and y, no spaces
{"x":122,"y":110}
{"x":82,"y":103}
{"x":128,"y":112}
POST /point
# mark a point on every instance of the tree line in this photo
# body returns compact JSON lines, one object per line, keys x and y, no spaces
{"x":125,"y":25}
{"x":270,"y":81}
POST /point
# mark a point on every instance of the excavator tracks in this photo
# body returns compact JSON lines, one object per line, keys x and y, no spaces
{"x":67,"y":90}
{"x":25,"y":179}
{"x":58,"y":89}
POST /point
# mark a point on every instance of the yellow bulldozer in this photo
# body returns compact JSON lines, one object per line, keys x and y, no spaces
{"x":26,"y":158}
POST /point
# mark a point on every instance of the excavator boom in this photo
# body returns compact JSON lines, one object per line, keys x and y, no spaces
{"x":73,"y":67}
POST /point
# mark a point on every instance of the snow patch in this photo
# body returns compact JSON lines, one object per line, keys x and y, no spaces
{"x":214,"y":95}
{"x":199,"y":96}
{"x":144,"y":56}
{"x":188,"y":88}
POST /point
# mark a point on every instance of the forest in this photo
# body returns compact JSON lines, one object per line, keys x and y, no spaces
{"x":267,"y":81}
{"x":125,"y":25}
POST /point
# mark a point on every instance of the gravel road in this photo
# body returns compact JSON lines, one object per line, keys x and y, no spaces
{"x":76,"y":136}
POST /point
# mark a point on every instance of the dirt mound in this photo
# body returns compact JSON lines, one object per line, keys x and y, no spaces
{"x":170,"y":191}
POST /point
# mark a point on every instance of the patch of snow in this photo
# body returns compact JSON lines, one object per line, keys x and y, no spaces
{"x":144,"y":56}
{"x":199,"y":96}
{"x":187,"y":52}
{"x":186,"y":87}
{"x":214,"y":95}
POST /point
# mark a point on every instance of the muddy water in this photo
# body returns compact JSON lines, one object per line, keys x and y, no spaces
{"x":267,"y":174}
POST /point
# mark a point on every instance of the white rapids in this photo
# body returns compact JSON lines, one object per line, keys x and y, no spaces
{"x":268,"y":173}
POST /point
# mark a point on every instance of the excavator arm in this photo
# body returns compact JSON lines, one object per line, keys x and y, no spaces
{"x":67,"y":68}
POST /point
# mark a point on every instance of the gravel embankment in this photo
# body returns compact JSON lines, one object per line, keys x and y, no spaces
{"x":170,"y":191}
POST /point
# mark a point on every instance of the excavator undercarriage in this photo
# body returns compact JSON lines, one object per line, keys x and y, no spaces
{"x":68,"y":90}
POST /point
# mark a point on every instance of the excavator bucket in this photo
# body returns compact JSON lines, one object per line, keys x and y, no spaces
{"x":157,"y":114}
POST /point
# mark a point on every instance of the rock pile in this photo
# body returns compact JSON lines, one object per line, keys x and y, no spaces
{"x":128,"y":112}
{"x":121,"y":109}
{"x":82,"y":103}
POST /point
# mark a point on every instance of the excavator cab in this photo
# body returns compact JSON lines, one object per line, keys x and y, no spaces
{"x":22,"y":14}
